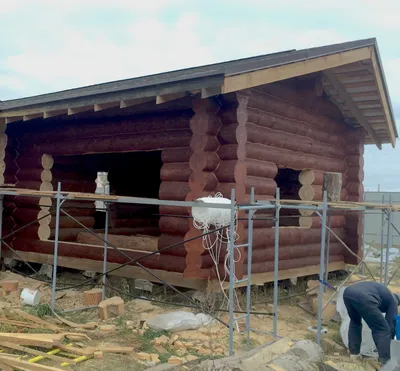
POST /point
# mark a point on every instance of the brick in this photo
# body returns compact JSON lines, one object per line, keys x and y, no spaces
{"x":161,"y":340}
{"x":190,"y":358}
{"x":175,"y":360}
{"x":10,"y":285}
{"x":154,"y":357}
{"x":173,"y":339}
{"x":98,"y":354}
{"x":143,"y":356}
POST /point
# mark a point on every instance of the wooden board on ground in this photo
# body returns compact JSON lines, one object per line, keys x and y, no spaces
{"x":40,"y":340}
{"x":24,"y":365}
{"x":116,"y":349}
{"x":37,"y":320}
{"x":139,"y":243}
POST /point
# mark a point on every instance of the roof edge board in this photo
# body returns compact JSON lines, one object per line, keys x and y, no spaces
{"x":129,"y":95}
{"x":285,"y":71}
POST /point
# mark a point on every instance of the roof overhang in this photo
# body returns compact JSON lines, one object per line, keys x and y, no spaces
{"x":353,"y":79}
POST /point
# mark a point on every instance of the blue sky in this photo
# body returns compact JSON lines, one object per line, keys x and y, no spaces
{"x":50,"y":45}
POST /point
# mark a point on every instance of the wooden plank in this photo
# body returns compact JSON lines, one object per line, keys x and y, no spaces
{"x":76,"y":110}
{"x":103,"y":106}
{"x":384,"y":99}
{"x":18,"y":323}
{"x":210,"y":92}
{"x":42,"y":340}
{"x":354,"y":109}
{"x":35,"y":352}
{"x":37,"y":320}
{"x":138,"y":243}
{"x":9,"y":120}
{"x":33,"y":116}
{"x":79,"y":351}
{"x":135,"y":102}
{"x":282,"y":72}
{"x":160,"y":99}
{"x":49,"y":114}
{"x":24,"y":365}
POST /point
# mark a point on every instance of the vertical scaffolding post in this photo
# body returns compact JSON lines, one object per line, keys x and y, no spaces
{"x":363,"y":240}
{"x":389,"y":241}
{"x":231,"y":248}
{"x":322,"y":265}
{"x":1,"y":231}
{"x":55,"y":262}
{"x":104,"y":278}
{"x":276,"y":261}
{"x":382,"y":240}
{"x":249,"y":263}
{"x":328,"y":245}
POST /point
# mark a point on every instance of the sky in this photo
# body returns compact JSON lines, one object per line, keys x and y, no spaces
{"x":50,"y":45}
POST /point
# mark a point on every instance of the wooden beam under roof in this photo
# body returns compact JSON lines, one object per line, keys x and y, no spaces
{"x":346,"y":97}
{"x":264,"y":76}
{"x":165,"y":98}
{"x":210,"y":92}
{"x":384,"y":99}
{"x":58,"y":112}
{"x":76,"y":110}
{"x":134,"y":102}
{"x":9,"y":120}
{"x":33,"y":116}
{"x":103,"y":106}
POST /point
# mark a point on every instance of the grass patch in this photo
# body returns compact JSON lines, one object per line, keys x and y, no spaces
{"x":40,"y":310}
{"x":147,"y":338}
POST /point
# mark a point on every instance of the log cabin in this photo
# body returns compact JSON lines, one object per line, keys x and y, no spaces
{"x":275,"y":120}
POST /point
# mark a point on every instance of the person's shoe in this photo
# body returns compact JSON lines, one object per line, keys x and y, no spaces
{"x":356,"y":357}
{"x":383,"y":361}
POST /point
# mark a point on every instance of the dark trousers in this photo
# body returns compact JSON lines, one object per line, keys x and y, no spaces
{"x":360,"y":307}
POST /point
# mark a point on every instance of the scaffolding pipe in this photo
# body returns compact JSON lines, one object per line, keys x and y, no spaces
{"x":1,"y":231}
{"x":104,"y":278}
{"x":54,"y":277}
{"x":249,"y":263}
{"x":389,"y":243}
{"x":231,"y":248}
{"x":382,"y":241}
{"x":276,"y":262}
{"x":322,"y":266}
{"x":328,"y":245}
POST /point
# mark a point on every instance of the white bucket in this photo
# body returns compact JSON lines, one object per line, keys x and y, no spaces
{"x":30,"y":297}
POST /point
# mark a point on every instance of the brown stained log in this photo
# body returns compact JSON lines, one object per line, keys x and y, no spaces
{"x":280,"y":139}
{"x":174,"y":226}
{"x":206,"y":143}
{"x":231,"y":171}
{"x":260,"y":221}
{"x":281,"y":157}
{"x":175,"y":172}
{"x":136,"y":124}
{"x":67,"y":222}
{"x":35,"y":160}
{"x":173,"y":210}
{"x":165,"y":241}
{"x":75,"y":250}
{"x":68,"y":185}
{"x":141,"y":243}
{"x":288,"y":125}
{"x":336,"y":221}
{"x":293,"y":252}
{"x":355,"y":161}
{"x":174,"y":191}
{"x":263,"y":238}
{"x":226,"y":190}
{"x":202,"y":181}
{"x":293,"y":263}
{"x":145,"y":230}
{"x":44,"y":232}
{"x":24,"y":215}
{"x":282,"y":108}
{"x":172,"y":155}
{"x":119,"y":143}
{"x":355,"y":189}
{"x":333,"y":186}
{"x":354,"y":174}
{"x":315,"y":192}
{"x":311,"y":176}
{"x":204,"y":161}
{"x":202,"y":126}
{"x":36,"y":185}
{"x":34,"y":174}
{"x":263,"y":169}
{"x":262,"y":186}
{"x":232,"y":134}
{"x":135,"y":222}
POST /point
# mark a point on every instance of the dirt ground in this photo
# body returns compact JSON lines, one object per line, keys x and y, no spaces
{"x":206,"y":342}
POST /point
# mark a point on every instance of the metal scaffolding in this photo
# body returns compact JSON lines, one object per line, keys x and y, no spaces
{"x":321,"y":209}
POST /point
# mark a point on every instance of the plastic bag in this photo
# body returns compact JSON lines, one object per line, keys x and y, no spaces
{"x":368,"y":347}
{"x":179,"y":321}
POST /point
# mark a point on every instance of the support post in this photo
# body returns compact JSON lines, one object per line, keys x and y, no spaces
{"x":55,"y":262}
{"x":276,"y":261}
{"x":328,"y":245}
{"x":382,"y":240}
{"x":231,"y":247}
{"x":389,"y":242}
{"x":104,"y":278}
{"x":322,"y":266}
{"x":1,"y":233}
{"x":249,"y":263}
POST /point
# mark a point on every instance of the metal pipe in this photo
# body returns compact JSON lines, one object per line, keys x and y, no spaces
{"x":249,"y":263}
{"x":383,"y":216}
{"x":328,"y":245}
{"x":276,"y":261}
{"x":104,"y":278}
{"x":54,"y":277}
{"x":321,"y":264}
{"x":389,"y":242}
{"x":363,"y":242}
{"x":231,"y":247}
{"x":79,"y":309}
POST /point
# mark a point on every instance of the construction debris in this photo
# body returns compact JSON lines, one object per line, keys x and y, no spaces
{"x":106,"y":305}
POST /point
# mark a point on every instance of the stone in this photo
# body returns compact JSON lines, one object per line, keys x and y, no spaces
{"x":89,"y":274}
{"x":308,"y":350}
{"x":154,"y":358}
{"x":143,"y":285}
{"x":143,"y":356}
{"x":46,"y":270}
{"x":10,"y":263}
{"x":130,"y":324}
{"x":107,"y":328}
{"x":173,"y":360}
